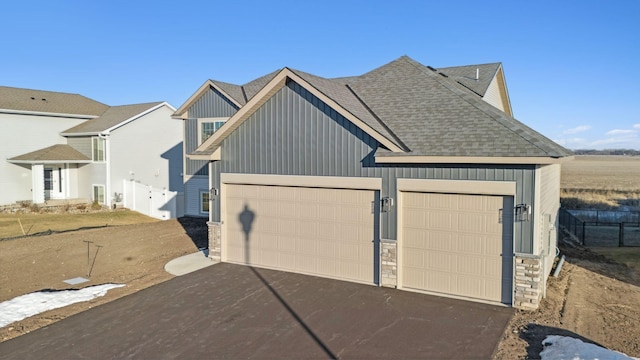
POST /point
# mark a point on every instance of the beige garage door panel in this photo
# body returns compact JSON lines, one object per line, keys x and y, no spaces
{"x":319,"y":231}
{"x":453,"y":243}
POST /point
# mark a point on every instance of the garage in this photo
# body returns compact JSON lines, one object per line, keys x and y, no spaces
{"x":315,"y":230}
{"x":457,"y":245}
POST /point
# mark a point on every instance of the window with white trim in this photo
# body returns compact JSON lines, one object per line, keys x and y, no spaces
{"x":97,"y":149}
{"x":207,"y":126}
{"x":98,"y":193}
{"x":204,"y":201}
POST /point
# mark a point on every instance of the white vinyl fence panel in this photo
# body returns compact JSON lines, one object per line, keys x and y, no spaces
{"x":157,"y":203}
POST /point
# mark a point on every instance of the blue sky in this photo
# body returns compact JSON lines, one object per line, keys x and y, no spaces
{"x":572,"y":67}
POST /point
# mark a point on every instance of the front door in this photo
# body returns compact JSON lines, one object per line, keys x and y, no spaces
{"x":54,"y":182}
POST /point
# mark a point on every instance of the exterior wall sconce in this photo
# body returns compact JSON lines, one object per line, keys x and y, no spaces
{"x":386,"y":204}
{"x":522,"y":212}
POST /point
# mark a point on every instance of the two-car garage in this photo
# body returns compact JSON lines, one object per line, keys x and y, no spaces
{"x":319,"y":226}
{"x":454,"y":243}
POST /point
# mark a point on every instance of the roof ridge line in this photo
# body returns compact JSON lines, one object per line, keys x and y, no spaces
{"x":375,"y":116}
{"x":443,"y":81}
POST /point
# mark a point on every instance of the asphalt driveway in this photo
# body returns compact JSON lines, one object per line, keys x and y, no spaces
{"x":232,"y":311}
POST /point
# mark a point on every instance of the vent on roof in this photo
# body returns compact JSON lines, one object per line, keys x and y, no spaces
{"x":443,"y":74}
{"x":431,"y":68}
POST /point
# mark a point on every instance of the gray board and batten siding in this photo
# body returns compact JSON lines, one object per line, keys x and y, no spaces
{"x":211,"y":104}
{"x":295,"y":133}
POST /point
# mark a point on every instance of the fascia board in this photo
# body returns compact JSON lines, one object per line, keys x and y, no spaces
{"x":32,"y":162}
{"x":178,"y":114}
{"x":234,"y":121}
{"x":199,"y":157}
{"x":154,"y":108}
{"x":216,"y":155}
{"x":417,"y":159}
{"x":359,"y":123}
{"x":195,"y":96}
{"x":503,"y":81}
{"x":41,"y":113}
{"x":92,"y":133}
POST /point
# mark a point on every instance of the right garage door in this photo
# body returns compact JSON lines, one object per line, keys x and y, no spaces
{"x":457,"y":244}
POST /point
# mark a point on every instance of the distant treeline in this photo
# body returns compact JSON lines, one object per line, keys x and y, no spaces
{"x":607,"y":152}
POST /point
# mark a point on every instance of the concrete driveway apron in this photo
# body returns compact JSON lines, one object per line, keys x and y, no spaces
{"x":233,"y":311}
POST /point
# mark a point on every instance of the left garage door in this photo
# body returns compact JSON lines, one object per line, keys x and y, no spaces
{"x":318,"y":231}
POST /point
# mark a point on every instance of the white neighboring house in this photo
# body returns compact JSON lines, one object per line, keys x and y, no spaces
{"x":62,"y":146}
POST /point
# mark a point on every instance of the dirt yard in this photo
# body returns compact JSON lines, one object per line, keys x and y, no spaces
{"x":134,"y":255}
{"x":593,"y":299}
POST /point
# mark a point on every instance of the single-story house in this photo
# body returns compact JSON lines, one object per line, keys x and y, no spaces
{"x":60,"y":146}
{"x":406,"y":176}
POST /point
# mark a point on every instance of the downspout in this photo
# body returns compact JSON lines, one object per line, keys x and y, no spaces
{"x":107,"y":155}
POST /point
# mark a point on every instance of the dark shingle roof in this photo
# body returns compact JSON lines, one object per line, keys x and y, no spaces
{"x":112,"y":117}
{"x":252,"y":87}
{"x":243,"y":93}
{"x":428,"y":114}
{"x":434,"y":116}
{"x":466,"y":75}
{"x":57,"y":152}
{"x":48,"y":102}
{"x":234,"y":91}
{"x":346,"y":98}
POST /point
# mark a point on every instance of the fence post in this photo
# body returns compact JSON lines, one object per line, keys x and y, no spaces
{"x":621,"y":236}
{"x":584,"y":228}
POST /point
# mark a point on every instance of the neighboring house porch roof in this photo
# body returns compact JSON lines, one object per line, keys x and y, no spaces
{"x":18,"y":100}
{"x":58,"y":153}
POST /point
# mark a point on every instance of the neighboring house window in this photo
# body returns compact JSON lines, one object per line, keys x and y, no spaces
{"x":207,"y":126}
{"x":97,"y":149}
{"x":98,"y":193}
{"x":204,"y":201}
{"x":48,"y":179}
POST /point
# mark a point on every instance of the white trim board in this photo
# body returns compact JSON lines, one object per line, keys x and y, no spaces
{"x":303,"y":181}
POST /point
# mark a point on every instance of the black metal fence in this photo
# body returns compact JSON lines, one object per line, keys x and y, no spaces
{"x":602,"y":228}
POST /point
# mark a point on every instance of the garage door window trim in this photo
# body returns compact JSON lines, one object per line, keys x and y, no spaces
{"x":304,"y":181}
{"x":472,"y":187}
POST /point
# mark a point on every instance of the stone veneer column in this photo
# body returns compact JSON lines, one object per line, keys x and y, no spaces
{"x":215,"y":240}
{"x":388,"y":263}
{"x":528,"y":282}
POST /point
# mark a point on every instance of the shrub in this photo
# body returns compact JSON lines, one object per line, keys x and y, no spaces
{"x":96,"y":205}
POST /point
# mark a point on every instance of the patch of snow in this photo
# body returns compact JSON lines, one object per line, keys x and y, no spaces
{"x":22,"y":307}
{"x":562,"y":347}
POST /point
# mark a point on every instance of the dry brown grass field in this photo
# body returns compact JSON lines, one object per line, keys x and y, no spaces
{"x":14,"y":225}
{"x":601,"y":182}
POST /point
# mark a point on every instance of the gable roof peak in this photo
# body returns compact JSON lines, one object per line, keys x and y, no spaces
{"x":114,"y":117}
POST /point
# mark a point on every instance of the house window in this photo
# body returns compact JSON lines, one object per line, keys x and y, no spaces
{"x":204,"y":201}
{"x":207,"y":126}
{"x":97,"y":149}
{"x":48,"y":179}
{"x":98,"y":193}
